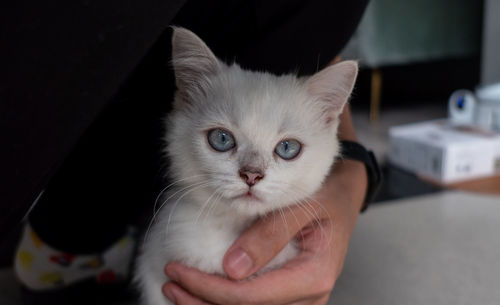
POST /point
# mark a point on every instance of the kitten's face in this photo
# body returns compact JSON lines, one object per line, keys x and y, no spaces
{"x":252,"y":141}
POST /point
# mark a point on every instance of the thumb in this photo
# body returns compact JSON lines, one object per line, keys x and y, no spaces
{"x":262,"y":241}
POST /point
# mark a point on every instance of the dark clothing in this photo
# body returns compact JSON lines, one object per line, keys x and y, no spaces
{"x":84,"y":86}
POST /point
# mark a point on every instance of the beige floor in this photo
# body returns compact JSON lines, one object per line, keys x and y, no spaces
{"x":440,"y":249}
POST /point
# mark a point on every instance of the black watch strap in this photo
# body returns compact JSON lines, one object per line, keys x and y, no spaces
{"x":355,"y":151}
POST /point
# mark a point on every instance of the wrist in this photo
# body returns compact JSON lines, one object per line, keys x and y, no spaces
{"x":351,"y":181}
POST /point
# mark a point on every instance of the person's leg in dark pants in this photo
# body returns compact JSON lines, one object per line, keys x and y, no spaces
{"x":78,"y":230}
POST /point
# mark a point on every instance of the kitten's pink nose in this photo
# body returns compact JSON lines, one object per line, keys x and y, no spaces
{"x":251,"y":175}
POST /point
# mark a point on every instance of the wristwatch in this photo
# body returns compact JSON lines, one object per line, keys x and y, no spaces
{"x":355,"y":151}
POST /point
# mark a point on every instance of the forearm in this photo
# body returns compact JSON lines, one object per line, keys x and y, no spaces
{"x":351,"y":175}
{"x":345,"y":188}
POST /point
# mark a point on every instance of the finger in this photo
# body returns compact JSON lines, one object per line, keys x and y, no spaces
{"x":300,"y":278}
{"x":260,"y":243}
{"x":179,"y":296}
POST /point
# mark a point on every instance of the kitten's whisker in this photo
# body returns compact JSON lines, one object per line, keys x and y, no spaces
{"x":172,"y":184}
{"x":284,"y":220}
{"x":296,"y":219}
{"x":302,"y":200}
{"x":274,"y":222}
{"x":306,"y":211}
{"x":207,"y":203}
{"x":320,"y":224}
{"x":211,"y":204}
{"x":182,"y":196}
{"x":302,"y":206}
{"x":178,"y":200}
{"x":309,"y":208}
{"x":315,"y":201}
{"x":298,"y":201}
{"x":214,"y":204}
{"x":306,"y":207}
{"x":297,"y":189}
{"x":195,"y":185}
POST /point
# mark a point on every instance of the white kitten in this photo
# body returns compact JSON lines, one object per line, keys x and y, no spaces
{"x":241,"y":144}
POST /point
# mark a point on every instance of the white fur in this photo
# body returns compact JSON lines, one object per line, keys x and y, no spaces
{"x":201,"y":217}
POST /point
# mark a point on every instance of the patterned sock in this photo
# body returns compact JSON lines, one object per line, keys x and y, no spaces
{"x":40,"y":267}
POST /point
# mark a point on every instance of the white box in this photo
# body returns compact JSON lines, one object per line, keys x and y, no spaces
{"x":447,"y":153}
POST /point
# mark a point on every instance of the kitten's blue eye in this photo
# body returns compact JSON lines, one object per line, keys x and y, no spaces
{"x":288,"y":149}
{"x":221,"y":140}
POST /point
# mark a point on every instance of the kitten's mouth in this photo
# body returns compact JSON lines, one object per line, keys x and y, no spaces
{"x":248,"y":196}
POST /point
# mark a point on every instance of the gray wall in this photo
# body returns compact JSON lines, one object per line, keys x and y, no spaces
{"x":490,"y":63}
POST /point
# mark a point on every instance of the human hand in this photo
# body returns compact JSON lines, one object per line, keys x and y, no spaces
{"x":322,"y":233}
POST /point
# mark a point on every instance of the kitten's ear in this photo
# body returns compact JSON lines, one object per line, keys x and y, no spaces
{"x":334,"y":85}
{"x":192,"y":60}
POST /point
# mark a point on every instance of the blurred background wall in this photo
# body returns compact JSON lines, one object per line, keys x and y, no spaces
{"x":421,"y":50}
{"x":490,"y":64}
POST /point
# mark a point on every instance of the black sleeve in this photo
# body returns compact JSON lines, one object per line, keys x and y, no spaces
{"x":279,"y":36}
